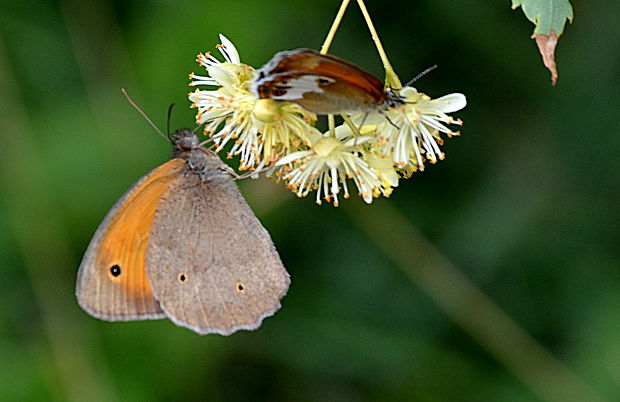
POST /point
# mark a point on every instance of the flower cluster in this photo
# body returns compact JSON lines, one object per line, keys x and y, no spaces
{"x":372,"y":150}
{"x":262,"y":130}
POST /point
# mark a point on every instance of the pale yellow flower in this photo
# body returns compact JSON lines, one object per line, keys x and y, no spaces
{"x":411,"y":133}
{"x":384,"y":168}
{"x":374,"y":152}
{"x":230,"y":73}
{"x":326,"y":167}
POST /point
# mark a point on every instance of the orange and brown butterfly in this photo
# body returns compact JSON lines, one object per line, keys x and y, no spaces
{"x":321,"y":83}
{"x":182,"y":243}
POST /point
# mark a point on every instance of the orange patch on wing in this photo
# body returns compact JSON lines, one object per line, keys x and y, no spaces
{"x":125,"y":241}
{"x":333,"y":67}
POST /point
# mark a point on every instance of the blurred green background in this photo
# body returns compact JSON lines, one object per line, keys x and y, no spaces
{"x":525,"y":205}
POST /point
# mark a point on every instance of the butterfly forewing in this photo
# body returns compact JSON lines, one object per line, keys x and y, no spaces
{"x":112,"y":283}
{"x":319,"y":83}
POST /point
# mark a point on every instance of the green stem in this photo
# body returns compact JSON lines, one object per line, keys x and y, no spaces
{"x":331,"y":122}
{"x":334,"y":27}
{"x":351,"y":125}
{"x":391,"y":79}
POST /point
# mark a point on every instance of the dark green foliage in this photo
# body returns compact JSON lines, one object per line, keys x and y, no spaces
{"x":525,"y":204}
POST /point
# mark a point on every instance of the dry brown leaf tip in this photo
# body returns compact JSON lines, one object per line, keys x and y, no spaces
{"x":546,"y":45}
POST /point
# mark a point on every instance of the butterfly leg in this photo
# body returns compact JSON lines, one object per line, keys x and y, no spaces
{"x":388,"y":119}
{"x":260,"y":169}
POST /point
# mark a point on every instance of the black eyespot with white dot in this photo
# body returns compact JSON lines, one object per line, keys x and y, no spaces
{"x":240,"y":286}
{"x":182,"y":278}
{"x":115,"y":270}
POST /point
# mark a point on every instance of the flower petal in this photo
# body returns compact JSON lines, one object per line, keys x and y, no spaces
{"x":231,"y":50}
{"x":451,"y":103}
{"x":292,"y":157}
{"x":351,"y":142}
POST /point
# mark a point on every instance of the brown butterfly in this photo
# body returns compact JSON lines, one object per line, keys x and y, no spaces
{"x":182,"y":243}
{"x":321,"y":83}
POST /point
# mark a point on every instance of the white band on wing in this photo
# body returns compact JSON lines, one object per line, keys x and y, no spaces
{"x":295,"y":88}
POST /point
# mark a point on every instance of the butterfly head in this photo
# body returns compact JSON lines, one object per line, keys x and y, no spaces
{"x":393,"y":98}
{"x":184,"y":140}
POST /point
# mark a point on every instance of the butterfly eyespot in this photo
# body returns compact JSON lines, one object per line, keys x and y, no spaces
{"x":182,"y":277}
{"x":279,"y":92}
{"x":240,"y":287}
{"x":115,"y":270}
{"x":323,"y":81}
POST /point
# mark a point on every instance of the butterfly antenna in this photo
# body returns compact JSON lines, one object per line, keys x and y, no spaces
{"x":422,"y":74}
{"x":168,"y":121}
{"x":132,"y":103}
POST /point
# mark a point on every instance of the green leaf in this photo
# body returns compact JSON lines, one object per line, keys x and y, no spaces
{"x":547,"y":15}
